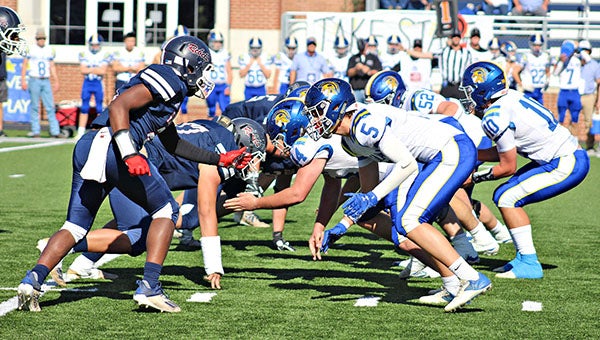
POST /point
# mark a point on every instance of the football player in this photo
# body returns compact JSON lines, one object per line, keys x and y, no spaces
{"x":533,"y":71}
{"x":221,"y":75}
{"x":520,"y":125}
{"x":254,"y":70}
{"x":381,"y":133}
{"x":283,"y":62}
{"x":109,"y":157}
{"x":339,"y":62}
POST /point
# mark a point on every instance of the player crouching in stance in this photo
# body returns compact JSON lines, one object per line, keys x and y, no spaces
{"x":109,"y":158}
{"x":520,"y":125}
{"x":381,"y":133}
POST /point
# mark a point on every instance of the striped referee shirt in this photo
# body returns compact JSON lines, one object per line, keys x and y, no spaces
{"x":453,"y":64}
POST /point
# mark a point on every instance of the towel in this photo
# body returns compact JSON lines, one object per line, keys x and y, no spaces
{"x":95,"y":166}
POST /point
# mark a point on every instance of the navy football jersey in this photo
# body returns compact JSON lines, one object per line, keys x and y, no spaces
{"x":168,"y":91}
{"x":180,"y":173}
{"x":255,"y":108}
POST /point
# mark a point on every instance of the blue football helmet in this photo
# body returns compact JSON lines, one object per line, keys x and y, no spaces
{"x":341,"y":44}
{"x":252,"y":135}
{"x":190,"y":57}
{"x":181,"y":30}
{"x":215,"y":36}
{"x":536,"y":39}
{"x":567,"y":48}
{"x":10,"y":28}
{"x":286,"y":123}
{"x":326,"y":103}
{"x":255,"y":46}
{"x":298,"y":89}
{"x":393,"y":44}
{"x":482,"y":82}
{"x":94,"y":43}
{"x":385,"y":87}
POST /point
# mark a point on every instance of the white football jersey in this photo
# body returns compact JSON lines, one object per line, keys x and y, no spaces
{"x":283,"y":63}
{"x":534,"y":69}
{"x":388,"y":61}
{"x":89,"y":59}
{"x":339,"y":66}
{"x":39,"y":61}
{"x":517,"y":121}
{"x":339,"y":163}
{"x":255,"y":76}
{"x":219,"y":61}
{"x":128,"y":58}
{"x":416,"y":73}
{"x":570,"y":76}
{"x":423,"y":137}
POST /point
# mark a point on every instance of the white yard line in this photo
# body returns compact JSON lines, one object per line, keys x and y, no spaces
{"x":40,"y":143}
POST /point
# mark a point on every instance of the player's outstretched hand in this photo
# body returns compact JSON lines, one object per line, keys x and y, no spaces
{"x":245,"y":201}
{"x":137,"y":165}
{"x":315,"y":242}
{"x":330,"y":236}
{"x":214,"y":279}
{"x":358,"y":203}
{"x":236,"y":158}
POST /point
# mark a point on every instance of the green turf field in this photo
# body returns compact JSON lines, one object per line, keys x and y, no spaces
{"x":271,"y":295}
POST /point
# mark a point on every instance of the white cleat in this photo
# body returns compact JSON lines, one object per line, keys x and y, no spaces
{"x":93,"y":273}
{"x":418,"y":269}
{"x":249,"y":218}
{"x":485,"y":243}
{"x":28,"y":293}
{"x":154,"y":298}
{"x":439,"y":297}
{"x":468,"y":291}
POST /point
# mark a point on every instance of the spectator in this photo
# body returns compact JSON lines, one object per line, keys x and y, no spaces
{"x":590,"y":102}
{"x":254,"y":71}
{"x":93,"y":65}
{"x":477,"y":52}
{"x":453,"y":60}
{"x":416,"y":72}
{"x":390,"y":4}
{"x":416,"y":4}
{"x":221,"y":74}
{"x":495,"y":7}
{"x":127,"y":61}
{"x":283,"y":63}
{"x":395,"y":52}
{"x":39,"y":65}
{"x":530,"y":7}
{"x":309,"y":66}
{"x":339,"y":62}
{"x":362,"y":66}
{"x":3,"y":91}
{"x":568,"y":69}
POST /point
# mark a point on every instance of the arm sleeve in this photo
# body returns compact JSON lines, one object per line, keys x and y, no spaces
{"x":177,"y":146}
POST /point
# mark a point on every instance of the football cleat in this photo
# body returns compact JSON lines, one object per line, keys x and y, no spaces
{"x":485,"y":243}
{"x":154,"y":297}
{"x":522,"y":267}
{"x":282,"y":244}
{"x":438,"y":297}
{"x":250,"y":218}
{"x":503,"y":235}
{"x":28,"y":293}
{"x":416,"y":268}
{"x":92,"y":273}
{"x":468,"y":291}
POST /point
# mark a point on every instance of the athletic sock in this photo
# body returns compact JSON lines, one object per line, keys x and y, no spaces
{"x":277,"y":235}
{"x":41,"y":272}
{"x":523,"y":239}
{"x":498,"y":228}
{"x":152,"y":273}
{"x":463,"y":270}
{"x":81,"y":246}
{"x":452,"y":284}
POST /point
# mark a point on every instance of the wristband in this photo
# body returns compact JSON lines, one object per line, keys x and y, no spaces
{"x":125,"y":143}
{"x":484,"y":175}
{"x":345,"y":223}
{"x":211,"y":252}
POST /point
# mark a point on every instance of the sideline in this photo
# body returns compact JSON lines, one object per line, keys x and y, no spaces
{"x":39,"y":143}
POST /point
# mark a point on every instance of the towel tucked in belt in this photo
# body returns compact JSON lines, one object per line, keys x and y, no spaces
{"x":95,"y":166}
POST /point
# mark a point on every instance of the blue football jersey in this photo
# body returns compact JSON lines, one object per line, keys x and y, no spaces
{"x":168,"y":91}
{"x":180,"y":173}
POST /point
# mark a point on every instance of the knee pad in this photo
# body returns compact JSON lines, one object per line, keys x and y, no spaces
{"x":76,"y":231}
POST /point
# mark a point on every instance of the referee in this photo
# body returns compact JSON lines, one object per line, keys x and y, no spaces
{"x":453,"y":61}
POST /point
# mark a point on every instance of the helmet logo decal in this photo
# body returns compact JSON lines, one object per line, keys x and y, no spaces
{"x":282,"y":117}
{"x":199,"y":52}
{"x":330,"y":89}
{"x":391,"y":82}
{"x":249,"y":131}
{"x":479,"y":75}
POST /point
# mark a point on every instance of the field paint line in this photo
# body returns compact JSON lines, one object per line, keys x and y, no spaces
{"x":201,"y":297}
{"x":34,"y":146}
{"x":12,"y":303}
{"x":367,"y":301}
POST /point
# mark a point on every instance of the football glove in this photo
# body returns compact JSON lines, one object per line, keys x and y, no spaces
{"x":358,"y":203}
{"x":237,"y":158}
{"x":330,"y":236}
{"x":137,"y":165}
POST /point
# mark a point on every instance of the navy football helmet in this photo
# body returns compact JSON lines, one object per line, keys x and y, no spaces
{"x":10,"y":28}
{"x":250,"y":134}
{"x":190,"y":57}
{"x":326,"y":103}
{"x":181,"y":30}
{"x":482,"y":82}
{"x":286,"y":123}
{"x":385,"y":87}
{"x":298,"y":89}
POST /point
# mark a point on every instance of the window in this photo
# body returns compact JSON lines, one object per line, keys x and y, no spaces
{"x":67,"y":22}
{"x":111,"y":21}
{"x":198,"y":16}
{"x":156,"y":24}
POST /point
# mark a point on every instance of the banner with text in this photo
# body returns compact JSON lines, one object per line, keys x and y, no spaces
{"x":16,"y":108}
